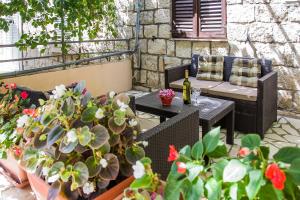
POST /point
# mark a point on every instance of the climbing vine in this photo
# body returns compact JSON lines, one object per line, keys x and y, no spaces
{"x":59,"y":20}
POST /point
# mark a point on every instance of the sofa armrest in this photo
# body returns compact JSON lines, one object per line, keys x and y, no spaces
{"x":174,"y":74}
{"x":180,"y":130}
{"x":267,"y":101}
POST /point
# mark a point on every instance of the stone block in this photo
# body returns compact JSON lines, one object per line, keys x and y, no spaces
{"x":153,"y":79}
{"x":257,"y":1}
{"x":161,"y":65}
{"x":143,"y":45}
{"x":169,"y":62}
{"x":237,"y":32}
{"x":285,"y":99}
{"x":288,"y":78}
{"x":164,"y":31}
{"x":296,"y":102}
{"x":150,"y":4}
{"x":291,"y":54}
{"x":143,"y":76}
{"x":270,"y":12}
{"x":202,"y":48}
{"x":240,"y":13}
{"x":220,"y":48}
{"x":229,"y":2}
{"x":261,"y":32}
{"x":150,"y":31}
{"x":183,"y":49}
{"x":164,"y":3}
{"x":242,"y":49}
{"x":147,"y":17}
{"x":157,"y":46}
{"x":293,"y":13}
{"x":275,"y":52}
{"x":170,"y":48}
{"x":162,"y":80}
{"x":162,"y":16}
{"x":149,"y":62}
{"x":131,"y":19}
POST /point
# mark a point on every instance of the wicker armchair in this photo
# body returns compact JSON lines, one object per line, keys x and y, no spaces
{"x":254,"y":116}
{"x":180,"y":130}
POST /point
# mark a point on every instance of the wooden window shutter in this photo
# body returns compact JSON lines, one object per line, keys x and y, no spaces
{"x":184,"y":18}
{"x":212,"y":18}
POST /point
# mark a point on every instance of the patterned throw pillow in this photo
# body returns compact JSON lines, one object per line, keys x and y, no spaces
{"x":245,"y":72}
{"x":210,"y":68}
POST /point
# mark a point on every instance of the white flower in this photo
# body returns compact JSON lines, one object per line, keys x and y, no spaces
{"x":22,"y":121}
{"x":133,"y":122}
{"x":111,"y":94}
{"x":59,"y":91}
{"x":88,"y":188}
{"x":45,"y":171}
{"x":99,"y":114}
{"x":103,"y":163}
{"x":122,"y":105}
{"x":145,"y":143}
{"x":53,"y":178}
{"x":72,"y":137}
{"x":138,"y":170}
{"x":126,"y":198}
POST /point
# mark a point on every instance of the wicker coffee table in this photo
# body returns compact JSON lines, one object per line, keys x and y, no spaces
{"x":211,"y":111}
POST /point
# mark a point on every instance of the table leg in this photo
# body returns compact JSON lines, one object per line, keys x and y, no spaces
{"x":162,"y":119}
{"x":205,"y":129}
{"x":230,"y":127}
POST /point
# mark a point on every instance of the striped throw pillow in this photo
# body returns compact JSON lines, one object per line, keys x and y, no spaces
{"x":245,"y":72}
{"x":210,"y":68}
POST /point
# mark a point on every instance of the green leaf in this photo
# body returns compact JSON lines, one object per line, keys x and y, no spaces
{"x":287,"y":154}
{"x":112,"y":170}
{"x":46,"y":119}
{"x":192,"y":191}
{"x":54,"y":134}
{"x":193,"y":170}
{"x":268,"y":192}
{"x":142,"y":183}
{"x":134,"y":153}
{"x":93,"y":166}
{"x":220,"y":151}
{"x":54,"y":190}
{"x":218,"y":168}
{"x":213,"y":189}
{"x":265,"y":151}
{"x":88,"y":115}
{"x":186,"y":151}
{"x":294,"y":171}
{"x":100,"y":136}
{"x":66,"y":147}
{"x":68,"y":107}
{"x":82,"y":174}
{"x":233,"y":191}
{"x":173,"y":184}
{"x":3,"y":154}
{"x":211,"y":140}
{"x":119,"y":117}
{"x":251,"y":141}
{"x":255,"y":183}
{"x":291,"y":190}
{"x":85,"y":136}
{"x":197,"y":150}
{"x":234,"y":171}
{"x":80,"y":87}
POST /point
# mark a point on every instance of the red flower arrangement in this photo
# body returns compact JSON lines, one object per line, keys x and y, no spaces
{"x":276,"y":176}
{"x":166,"y":96}
{"x":173,"y":154}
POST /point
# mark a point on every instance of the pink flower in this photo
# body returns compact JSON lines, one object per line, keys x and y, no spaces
{"x":30,"y":112}
{"x":244,"y":152}
{"x":169,"y":93}
{"x":181,"y":167}
{"x":11,"y":86}
{"x":173,"y":154}
{"x":24,"y":95}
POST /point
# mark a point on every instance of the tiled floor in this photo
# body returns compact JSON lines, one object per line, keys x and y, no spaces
{"x":285,"y":132}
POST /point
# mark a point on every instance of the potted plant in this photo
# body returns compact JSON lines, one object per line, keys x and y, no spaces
{"x":166,"y":96}
{"x":205,"y":171}
{"x":12,"y":104}
{"x":77,"y":146}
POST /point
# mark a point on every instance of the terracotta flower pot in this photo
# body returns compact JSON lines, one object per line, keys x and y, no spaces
{"x":14,"y":172}
{"x":40,"y":188}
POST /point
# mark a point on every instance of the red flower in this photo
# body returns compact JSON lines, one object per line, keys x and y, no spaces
{"x":181,"y":167}
{"x":17,"y":151}
{"x":244,"y":152}
{"x":173,"y":154}
{"x":11,"y":86}
{"x":276,"y":176}
{"x":24,"y":95}
{"x":31,"y":112}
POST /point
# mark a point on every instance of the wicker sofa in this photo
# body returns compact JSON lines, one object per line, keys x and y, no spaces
{"x":255,"y":108}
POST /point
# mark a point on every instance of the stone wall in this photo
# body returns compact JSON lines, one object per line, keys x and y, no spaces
{"x":255,"y":28}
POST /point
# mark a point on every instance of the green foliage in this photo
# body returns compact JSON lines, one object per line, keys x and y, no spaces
{"x":74,"y":18}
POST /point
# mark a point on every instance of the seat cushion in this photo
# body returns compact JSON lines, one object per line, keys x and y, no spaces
{"x":198,"y":84}
{"x":210,"y":68}
{"x":245,"y":72}
{"x":234,"y":91}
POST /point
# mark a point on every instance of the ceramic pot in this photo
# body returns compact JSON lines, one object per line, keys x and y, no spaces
{"x":166,"y":101}
{"x":40,"y":188}
{"x":13,"y":171}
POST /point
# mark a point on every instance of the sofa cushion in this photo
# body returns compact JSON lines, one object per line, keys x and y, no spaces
{"x":234,"y":91}
{"x":245,"y":72}
{"x":198,"y":84}
{"x":210,"y":68}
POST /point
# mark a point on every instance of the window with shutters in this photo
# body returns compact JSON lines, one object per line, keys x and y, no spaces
{"x":204,"y":19}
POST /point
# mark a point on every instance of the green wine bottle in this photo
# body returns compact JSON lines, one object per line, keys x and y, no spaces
{"x":186,"y":89}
